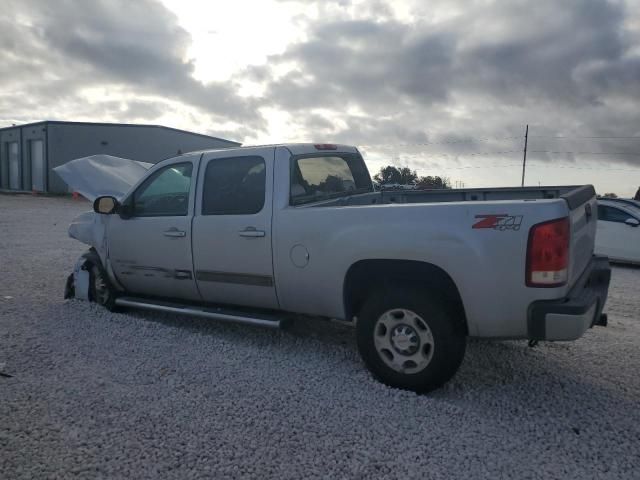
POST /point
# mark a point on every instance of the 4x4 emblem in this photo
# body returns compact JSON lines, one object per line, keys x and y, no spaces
{"x":499,"y":222}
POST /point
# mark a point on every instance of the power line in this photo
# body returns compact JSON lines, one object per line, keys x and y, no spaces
{"x":444,"y":142}
{"x":503,"y":152}
{"x":590,"y":168}
{"x":567,"y":137}
{"x":529,"y":165}
{"x":489,"y":139}
{"x":484,"y":166}
{"x":473,"y":154}
{"x":586,"y":153}
{"x":556,"y":152}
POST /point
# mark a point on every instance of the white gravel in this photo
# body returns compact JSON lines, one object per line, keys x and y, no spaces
{"x":143,"y":395}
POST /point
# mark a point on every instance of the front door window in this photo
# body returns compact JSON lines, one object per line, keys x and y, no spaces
{"x":165,"y":193}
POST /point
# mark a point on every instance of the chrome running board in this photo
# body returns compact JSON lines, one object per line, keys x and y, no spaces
{"x":223,"y":314}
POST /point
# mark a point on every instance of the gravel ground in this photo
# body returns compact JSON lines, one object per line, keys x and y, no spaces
{"x":144,"y":395}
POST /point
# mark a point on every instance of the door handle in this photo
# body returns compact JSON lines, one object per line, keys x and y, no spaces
{"x":251,"y":232}
{"x":174,"y":232}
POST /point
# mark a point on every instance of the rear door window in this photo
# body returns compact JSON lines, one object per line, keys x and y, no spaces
{"x":234,"y":186}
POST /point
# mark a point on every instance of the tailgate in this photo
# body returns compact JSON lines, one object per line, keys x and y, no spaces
{"x":583,"y":216}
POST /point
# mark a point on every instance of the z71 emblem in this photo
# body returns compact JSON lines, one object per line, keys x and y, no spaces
{"x":499,"y":222}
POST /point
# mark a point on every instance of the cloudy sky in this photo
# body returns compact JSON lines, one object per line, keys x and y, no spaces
{"x":444,"y":86}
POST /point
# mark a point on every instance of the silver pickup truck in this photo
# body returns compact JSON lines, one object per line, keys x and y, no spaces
{"x":259,"y":234}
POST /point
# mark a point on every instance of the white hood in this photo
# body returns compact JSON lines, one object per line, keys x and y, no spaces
{"x":98,"y":175}
{"x":92,"y":177}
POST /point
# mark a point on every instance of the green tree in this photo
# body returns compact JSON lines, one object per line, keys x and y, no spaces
{"x":391,"y":174}
{"x":406,"y":176}
{"x":433,"y":182}
{"x":388,"y":174}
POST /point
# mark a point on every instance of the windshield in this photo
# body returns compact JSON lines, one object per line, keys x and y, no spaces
{"x":322,"y":177}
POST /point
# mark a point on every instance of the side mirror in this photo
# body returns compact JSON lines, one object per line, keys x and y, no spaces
{"x":632,"y":222}
{"x":105,"y":205}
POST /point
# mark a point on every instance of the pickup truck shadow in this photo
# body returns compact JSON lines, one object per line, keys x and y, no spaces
{"x":325,"y":332}
{"x":489,"y":365}
{"x":503,"y":387}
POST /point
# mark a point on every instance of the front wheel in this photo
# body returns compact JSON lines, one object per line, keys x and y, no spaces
{"x":100,"y":289}
{"x":410,"y":339}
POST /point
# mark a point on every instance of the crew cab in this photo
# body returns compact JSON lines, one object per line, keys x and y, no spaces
{"x":259,"y":234}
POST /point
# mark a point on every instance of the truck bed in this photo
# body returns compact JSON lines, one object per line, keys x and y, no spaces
{"x":575,"y":195}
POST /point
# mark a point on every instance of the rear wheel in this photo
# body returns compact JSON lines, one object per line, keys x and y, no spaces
{"x":410,"y":339}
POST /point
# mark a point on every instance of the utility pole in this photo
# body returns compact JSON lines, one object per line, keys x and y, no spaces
{"x":524,"y":160}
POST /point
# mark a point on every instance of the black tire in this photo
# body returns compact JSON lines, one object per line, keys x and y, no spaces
{"x":439,"y":338}
{"x":100,"y":289}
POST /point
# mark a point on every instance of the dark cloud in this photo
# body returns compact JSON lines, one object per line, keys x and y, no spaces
{"x":456,"y":78}
{"x":364,"y":130}
{"x":540,"y":48}
{"x":53,"y":50}
{"x":369,"y":63}
{"x":144,"y":110}
{"x":483,"y":70}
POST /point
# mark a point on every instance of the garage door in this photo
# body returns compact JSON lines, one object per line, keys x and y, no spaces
{"x":37,"y":165}
{"x":14,"y":166}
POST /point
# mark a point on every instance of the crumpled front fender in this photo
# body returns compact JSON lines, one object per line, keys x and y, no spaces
{"x":90,"y":229}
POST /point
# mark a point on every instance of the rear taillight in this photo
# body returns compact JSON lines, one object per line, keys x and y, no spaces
{"x":548,"y":254}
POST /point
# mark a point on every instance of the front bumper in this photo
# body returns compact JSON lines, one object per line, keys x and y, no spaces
{"x":568,"y":318}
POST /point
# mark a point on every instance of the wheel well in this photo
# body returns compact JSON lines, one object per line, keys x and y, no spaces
{"x":365,"y":276}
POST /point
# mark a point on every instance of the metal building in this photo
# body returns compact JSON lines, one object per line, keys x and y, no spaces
{"x":29,"y":152}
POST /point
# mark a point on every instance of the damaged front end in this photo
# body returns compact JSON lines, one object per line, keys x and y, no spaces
{"x":78,"y":282}
{"x":90,"y":281}
{"x":99,"y":175}
{"x":92,"y":177}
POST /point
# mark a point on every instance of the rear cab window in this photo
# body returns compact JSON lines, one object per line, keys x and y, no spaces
{"x":320,"y":177}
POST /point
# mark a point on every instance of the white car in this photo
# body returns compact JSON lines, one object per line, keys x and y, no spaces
{"x":622,"y":201}
{"x":618,"y":235}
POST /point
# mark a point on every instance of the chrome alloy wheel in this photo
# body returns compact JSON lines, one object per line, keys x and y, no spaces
{"x":403,"y":340}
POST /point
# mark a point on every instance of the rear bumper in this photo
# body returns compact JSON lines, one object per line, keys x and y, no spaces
{"x":568,"y":318}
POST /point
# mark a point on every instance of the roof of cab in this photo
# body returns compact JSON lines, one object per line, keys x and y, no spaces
{"x":294,"y":148}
